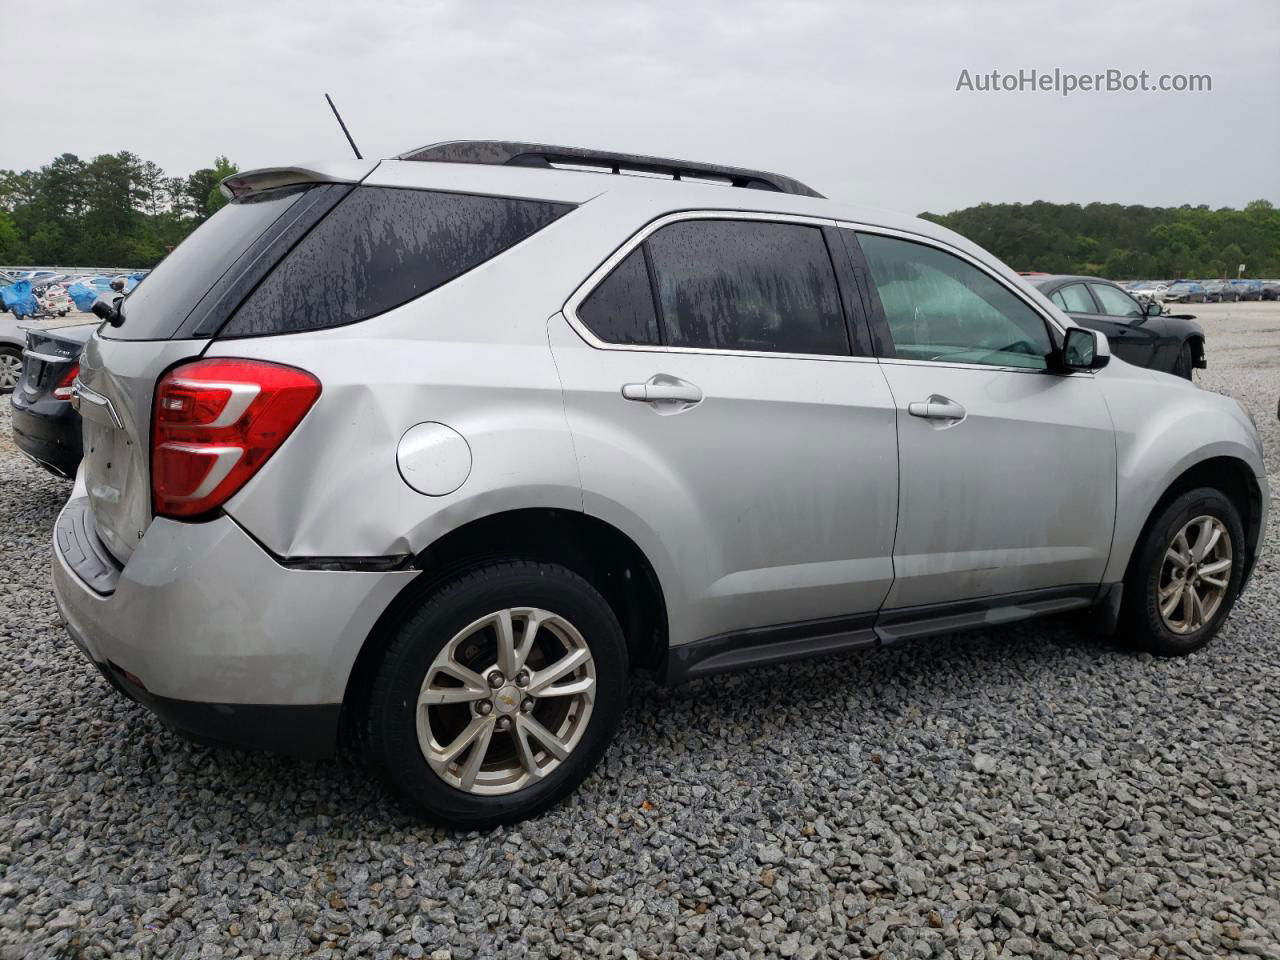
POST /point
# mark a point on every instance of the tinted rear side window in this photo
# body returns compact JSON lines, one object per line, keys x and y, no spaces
{"x":1077,"y":299}
{"x":155,"y":309}
{"x":621,"y":309}
{"x":748,"y":285}
{"x":382,"y":247}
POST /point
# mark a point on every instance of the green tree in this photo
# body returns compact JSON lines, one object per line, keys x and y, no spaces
{"x":1229,"y":261}
{"x":152,"y":193}
{"x":12,"y":249}
{"x":47,"y":244}
{"x":222,"y":168}
{"x":1124,"y":242}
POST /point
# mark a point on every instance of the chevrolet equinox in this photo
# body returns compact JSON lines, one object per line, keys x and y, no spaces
{"x":428,"y":454}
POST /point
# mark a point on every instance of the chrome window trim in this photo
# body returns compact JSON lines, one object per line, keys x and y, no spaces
{"x":902,"y":361}
{"x":586,"y":288}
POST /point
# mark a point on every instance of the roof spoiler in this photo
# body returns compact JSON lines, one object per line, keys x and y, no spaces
{"x":270,"y":178}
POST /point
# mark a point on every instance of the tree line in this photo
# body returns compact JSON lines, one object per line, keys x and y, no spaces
{"x":115,"y":209}
{"x":1125,"y":242}
{"x":122,"y":210}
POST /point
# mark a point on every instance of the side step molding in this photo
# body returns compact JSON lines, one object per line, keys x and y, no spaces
{"x":757,"y":647}
{"x":760,"y":646}
{"x":910,"y":623}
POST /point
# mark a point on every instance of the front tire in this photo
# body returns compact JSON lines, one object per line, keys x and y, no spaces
{"x":498,"y":695}
{"x":1185,"y":363}
{"x":1185,"y":575}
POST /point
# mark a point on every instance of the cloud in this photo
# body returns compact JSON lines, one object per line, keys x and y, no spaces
{"x":857,"y":98}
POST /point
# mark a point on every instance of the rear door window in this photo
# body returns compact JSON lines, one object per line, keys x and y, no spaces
{"x":1077,"y":299}
{"x":621,"y":309}
{"x":748,"y":285}
{"x":156,"y":309}
{"x":382,"y":247}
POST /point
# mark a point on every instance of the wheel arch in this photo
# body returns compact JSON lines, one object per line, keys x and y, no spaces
{"x":1235,"y":479}
{"x":594,"y":549}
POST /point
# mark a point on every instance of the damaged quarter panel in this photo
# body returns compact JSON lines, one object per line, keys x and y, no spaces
{"x":471,"y":355}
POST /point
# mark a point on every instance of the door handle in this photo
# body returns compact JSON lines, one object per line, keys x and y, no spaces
{"x":662,"y":388}
{"x":936,"y":408}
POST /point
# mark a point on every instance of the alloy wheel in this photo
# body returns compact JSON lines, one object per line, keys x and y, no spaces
{"x":506,"y":701}
{"x":10,"y":370}
{"x":1194,"y":574}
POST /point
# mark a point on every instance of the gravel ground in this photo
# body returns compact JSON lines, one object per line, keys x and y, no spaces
{"x":1027,"y":791}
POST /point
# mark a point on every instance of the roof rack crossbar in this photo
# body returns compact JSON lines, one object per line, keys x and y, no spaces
{"x":509,"y":153}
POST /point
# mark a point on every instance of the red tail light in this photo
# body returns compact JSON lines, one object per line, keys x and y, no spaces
{"x":215,"y":423}
{"x":63,"y":390}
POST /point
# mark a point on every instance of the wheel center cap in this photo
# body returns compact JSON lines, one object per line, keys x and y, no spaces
{"x":507,"y":699}
{"x":1192,"y":572}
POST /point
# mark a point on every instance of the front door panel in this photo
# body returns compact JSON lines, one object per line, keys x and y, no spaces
{"x":1018,"y":494}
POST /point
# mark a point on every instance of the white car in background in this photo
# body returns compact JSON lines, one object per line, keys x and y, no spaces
{"x":1151,"y":289}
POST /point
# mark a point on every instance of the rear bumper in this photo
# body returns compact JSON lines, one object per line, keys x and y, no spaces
{"x":48,"y":433}
{"x":210,"y":633}
{"x":299,"y":731}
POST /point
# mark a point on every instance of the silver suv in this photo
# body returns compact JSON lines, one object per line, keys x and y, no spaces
{"x":431,"y":453}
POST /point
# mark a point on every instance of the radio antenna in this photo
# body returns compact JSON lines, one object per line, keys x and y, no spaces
{"x":338,"y":116}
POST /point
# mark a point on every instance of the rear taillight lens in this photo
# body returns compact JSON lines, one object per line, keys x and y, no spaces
{"x":215,"y":423}
{"x":63,"y":390}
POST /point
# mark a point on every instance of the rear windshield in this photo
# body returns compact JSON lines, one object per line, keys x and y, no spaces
{"x":156,"y":309}
{"x":381,"y":247}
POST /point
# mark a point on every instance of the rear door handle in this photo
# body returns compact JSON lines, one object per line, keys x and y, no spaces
{"x":936,"y":408}
{"x":662,"y":387}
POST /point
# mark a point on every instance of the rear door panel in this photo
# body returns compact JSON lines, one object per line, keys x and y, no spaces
{"x":773,"y":500}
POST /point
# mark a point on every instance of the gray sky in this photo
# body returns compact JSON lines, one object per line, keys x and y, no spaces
{"x":857,"y":99}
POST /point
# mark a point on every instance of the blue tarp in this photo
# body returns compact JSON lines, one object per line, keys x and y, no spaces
{"x":82,"y":295}
{"x":19,"y":299}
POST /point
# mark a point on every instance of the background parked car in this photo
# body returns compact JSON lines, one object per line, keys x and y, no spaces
{"x":1248,"y":289}
{"x":1271,"y":290}
{"x":45,"y":425}
{"x":1139,"y":334}
{"x":1149,"y":289}
{"x":1185,"y":291}
{"x":1218,"y":291}
{"x":12,"y":340}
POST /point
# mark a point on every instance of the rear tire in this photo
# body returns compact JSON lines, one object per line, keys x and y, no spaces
{"x":1185,"y":364}
{"x":444,"y":678}
{"x":10,"y":368}
{"x":1203,"y":528}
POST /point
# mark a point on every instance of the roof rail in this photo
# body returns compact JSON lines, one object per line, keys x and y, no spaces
{"x":502,"y":152}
